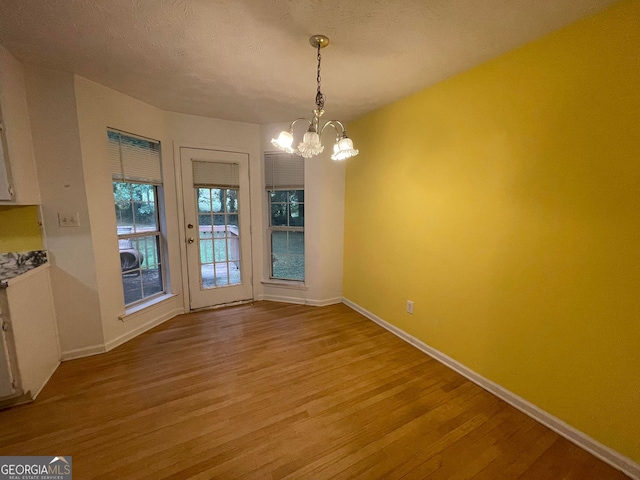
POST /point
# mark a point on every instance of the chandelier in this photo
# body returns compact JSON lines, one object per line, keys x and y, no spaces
{"x":310,"y":145}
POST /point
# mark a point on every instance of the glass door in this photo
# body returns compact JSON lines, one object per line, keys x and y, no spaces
{"x":216,"y":202}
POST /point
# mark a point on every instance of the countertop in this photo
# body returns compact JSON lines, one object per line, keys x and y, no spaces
{"x":15,"y":264}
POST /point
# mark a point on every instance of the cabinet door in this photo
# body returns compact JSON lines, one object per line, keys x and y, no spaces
{"x":19,"y":161}
{"x":6,"y":374}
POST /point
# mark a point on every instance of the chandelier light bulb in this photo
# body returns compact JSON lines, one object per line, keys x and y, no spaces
{"x":343,"y":149}
{"x":310,"y":145}
{"x":283,"y":142}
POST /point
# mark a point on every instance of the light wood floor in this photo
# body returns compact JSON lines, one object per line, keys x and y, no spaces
{"x":272,"y":390}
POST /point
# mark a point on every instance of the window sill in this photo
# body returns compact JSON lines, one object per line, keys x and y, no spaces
{"x":293,"y":285}
{"x":133,"y":311}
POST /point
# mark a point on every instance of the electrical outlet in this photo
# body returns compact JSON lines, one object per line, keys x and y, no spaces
{"x":410,"y":307}
{"x":69,"y":219}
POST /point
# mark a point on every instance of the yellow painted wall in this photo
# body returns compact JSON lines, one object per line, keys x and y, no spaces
{"x":20,"y":229}
{"x":505,"y":202}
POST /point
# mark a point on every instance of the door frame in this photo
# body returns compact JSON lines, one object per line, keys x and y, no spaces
{"x":182,"y":231}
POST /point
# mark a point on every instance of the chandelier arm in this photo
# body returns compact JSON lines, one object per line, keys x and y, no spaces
{"x":297,"y":120}
{"x":333,"y":124}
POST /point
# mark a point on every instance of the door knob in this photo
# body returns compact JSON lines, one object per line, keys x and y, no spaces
{"x":190,"y":225}
{"x":190,"y":240}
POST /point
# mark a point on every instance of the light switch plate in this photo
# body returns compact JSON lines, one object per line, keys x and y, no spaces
{"x":69,"y":219}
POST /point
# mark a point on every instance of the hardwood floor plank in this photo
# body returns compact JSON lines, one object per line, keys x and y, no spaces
{"x":272,"y":391}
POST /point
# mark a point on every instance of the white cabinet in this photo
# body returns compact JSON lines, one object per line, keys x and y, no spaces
{"x":9,"y":377}
{"x":17,"y":162}
{"x":31,"y":352}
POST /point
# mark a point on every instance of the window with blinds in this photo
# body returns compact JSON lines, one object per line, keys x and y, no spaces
{"x":283,"y":171}
{"x":284,"y":185}
{"x":136,"y":172}
{"x":134,"y":159}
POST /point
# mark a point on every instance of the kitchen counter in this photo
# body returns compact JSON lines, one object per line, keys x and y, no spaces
{"x":14,"y":264}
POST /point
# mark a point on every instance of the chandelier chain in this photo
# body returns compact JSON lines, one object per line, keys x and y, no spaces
{"x":319,"y":94}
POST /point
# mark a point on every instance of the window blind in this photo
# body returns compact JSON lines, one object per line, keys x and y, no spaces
{"x":216,"y":174}
{"x":283,"y":171}
{"x":134,"y":159}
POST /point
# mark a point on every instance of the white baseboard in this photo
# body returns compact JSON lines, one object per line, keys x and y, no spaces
{"x":325,"y":302}
{"x":283,"y":299}
{"x":82,"y":352}
{"x":607,"y":454}
{"x":301,"y":301}
{"x":116,"y":342}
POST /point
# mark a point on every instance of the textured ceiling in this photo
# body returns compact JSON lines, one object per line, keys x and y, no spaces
{"x":250,"y":60}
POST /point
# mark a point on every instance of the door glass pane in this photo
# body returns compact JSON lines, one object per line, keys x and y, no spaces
{"x":232,"y":201}
{"x":204,"y":199}
{"x":219,"y":238}
{"x":220,"y":247}
{"x":234,"y":272}
{"x":204,"y":223}
{"x":216,"y":199}
{"x":233,"y":244}
{"x":221,"y":275}
{"x":206,"y":251}
{"x":208,"y":277}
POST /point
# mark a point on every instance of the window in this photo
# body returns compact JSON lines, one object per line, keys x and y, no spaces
{"x":284,"y":182}
{"x":137,"y":191}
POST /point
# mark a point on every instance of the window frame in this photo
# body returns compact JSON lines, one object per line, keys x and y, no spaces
{"x":285,"y":228}
{"x":282,"y":172}
{"x":133,"y":238}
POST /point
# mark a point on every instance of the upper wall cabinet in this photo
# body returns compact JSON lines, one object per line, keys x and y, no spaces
{"x":18,"y":176}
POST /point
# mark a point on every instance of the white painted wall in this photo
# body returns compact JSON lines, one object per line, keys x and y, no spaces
{"x":15,"y":112}
{"x":326,"y":183}
{"x":99,"y":108}
{"x":71,"y":116}
{"x":203,"y":132}
{"x":324,"y":227}
{"x":52,"y":107}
